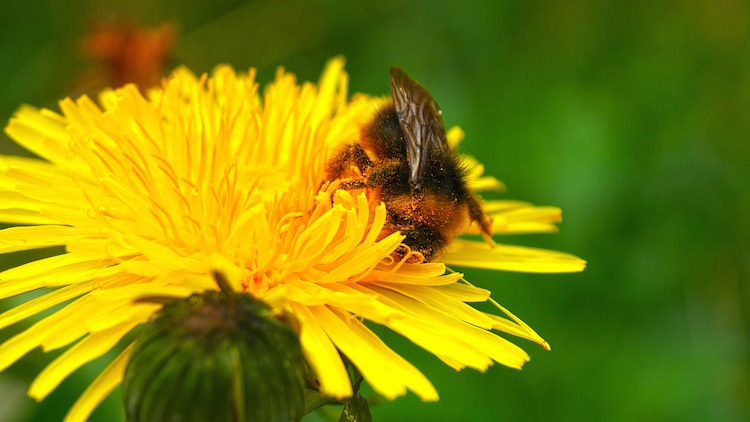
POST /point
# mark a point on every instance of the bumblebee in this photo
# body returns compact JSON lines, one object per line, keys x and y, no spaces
{"x":404,"y":160}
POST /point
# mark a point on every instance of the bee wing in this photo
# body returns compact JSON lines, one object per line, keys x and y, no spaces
{"x":421,"y":120}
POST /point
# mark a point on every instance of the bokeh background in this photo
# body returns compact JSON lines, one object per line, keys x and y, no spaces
{"x":631,"y":116}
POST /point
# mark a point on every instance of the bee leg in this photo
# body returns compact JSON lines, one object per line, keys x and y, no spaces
{"x":344,"y":184}
{"x":384,"y":173}
{"x":343,"y":160}
{"x":354,"y":183}
{"x":476,"y":214}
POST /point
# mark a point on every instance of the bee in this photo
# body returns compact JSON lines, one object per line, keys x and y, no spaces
{"x":404,"y":160}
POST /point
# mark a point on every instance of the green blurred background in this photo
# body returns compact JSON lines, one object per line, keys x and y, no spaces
{"x":630,"y":116}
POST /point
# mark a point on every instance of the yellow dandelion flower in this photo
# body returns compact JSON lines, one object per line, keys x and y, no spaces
{"x":150,"y":195}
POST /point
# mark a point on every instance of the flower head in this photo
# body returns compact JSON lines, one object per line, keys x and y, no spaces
{"x":152,"y":194}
